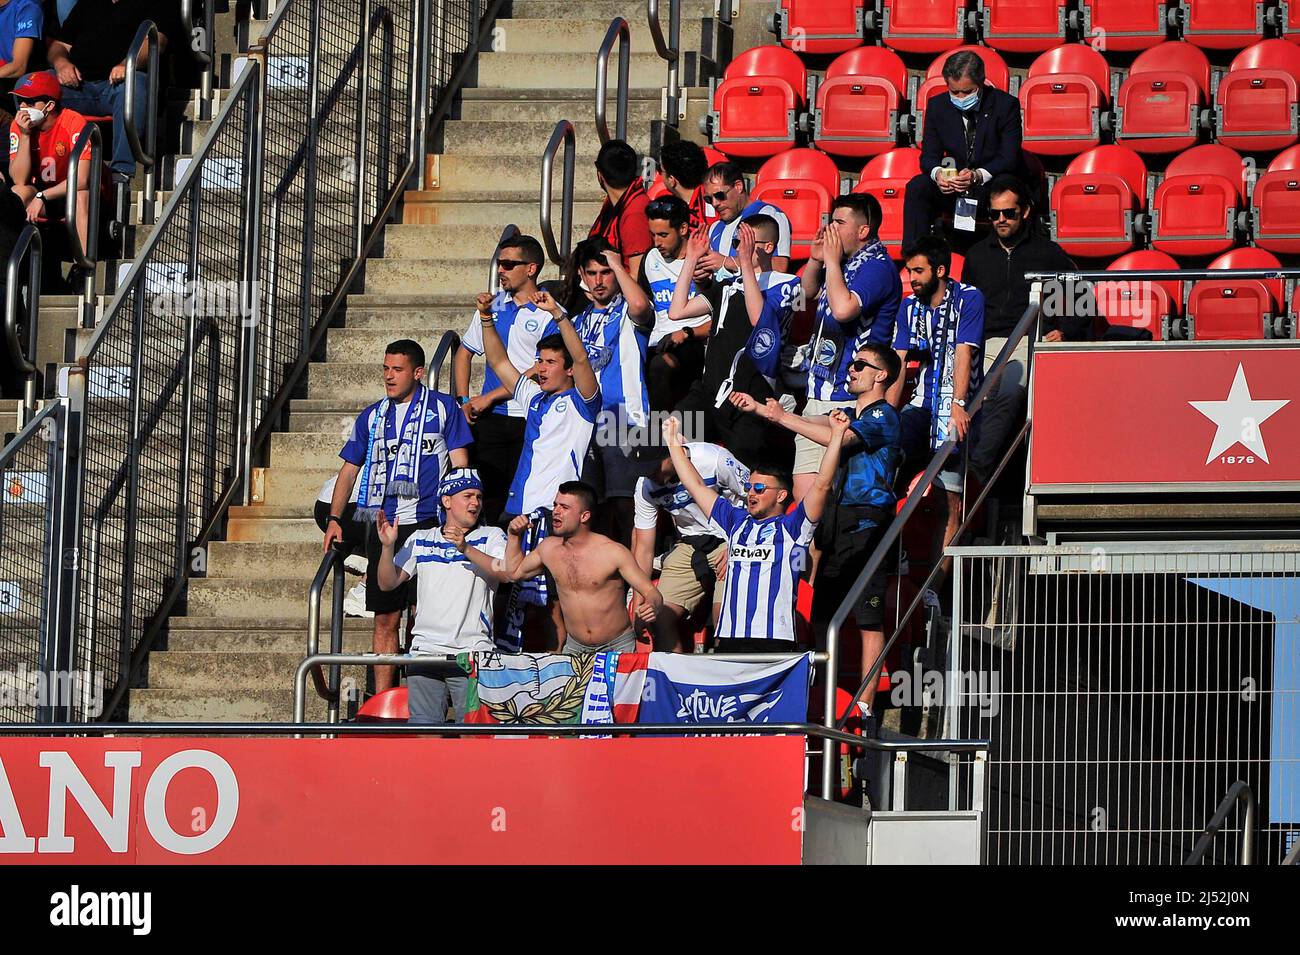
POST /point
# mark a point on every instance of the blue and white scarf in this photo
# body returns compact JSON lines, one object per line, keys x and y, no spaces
{"x":938,"y":340}
{"x":380,"y":477}
{"x":524,"y":592}
{"x":826,"y":366}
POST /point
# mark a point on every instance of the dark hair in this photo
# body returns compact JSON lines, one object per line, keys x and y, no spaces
{"x":728,"y":172}
{"x":933,"y":248}
{"x":864,"y":204}
{"x":783,"y":477}
{"x":685,"y":161}
{"x":669,"y":208}
{"x":589,"y":250}
{"x":964,"y":63}
{"x":412,"y":350}
{"x":617,"y":163}
{"x":582,"y":490}
{"x":887,"y":357}
{"x":530,"y":250}
{"x":1009,"y":183}
{"x":761,"y":221}
{"x":556,"y":343}
{"x":573,"y":298}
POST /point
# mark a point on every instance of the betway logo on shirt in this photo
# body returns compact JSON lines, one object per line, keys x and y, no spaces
{"x":753,"y":553}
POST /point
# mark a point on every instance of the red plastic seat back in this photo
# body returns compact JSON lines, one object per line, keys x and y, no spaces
{"x":1077,"y":58}
{"x":923,"y":26}
{"x":1138,"y":303}
{"x":1223,"y":24}
{"x":1211,"y":159}
{"x":805,"y":202}
{"x":1023,"y":26}
{"x":1175,"y":56}
{"x":1276,"y":205}
{"x":875,"y":61}
{"x":801,"y":164}
{"x":1255,"y":103}
{"x":1118,"y":161}
{"x":996,"y":71}
{"x":1252,"y":258}
{"x":1061,"y":99}
{"x":387,"y":707}
{"x":1124,"y":24}
{"x":771,"y":61}
{"x":886,"y":177}
{"x":821,"y":26}
{"x":859,"y":101}
{"x":1235,"y":310}
{"x":1291,"y":30}
{"x":755,"y":103}
{"x":1286,"y":159}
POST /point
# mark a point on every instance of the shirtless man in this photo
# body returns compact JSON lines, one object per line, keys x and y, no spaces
{"x":592,"y":574}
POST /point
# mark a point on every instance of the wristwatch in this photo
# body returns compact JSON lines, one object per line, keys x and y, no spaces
{"x":960,"y":403}
{"x":335,"y":518}
{"x":462,"y":399}
{"x":40,"y":195}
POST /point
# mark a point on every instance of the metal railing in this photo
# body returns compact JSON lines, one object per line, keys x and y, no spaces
{"x":33,"y":571}
{"x":671,"y":51}
{"x":145,"y":154}
{"x":1240,"y":792}
{"x":331,"y":567}
{"x":619,"y":32}
{"x":22,"y":352}
{"x":563,"y":134}
{"x":893,"y":534}
{"x":85,"y":257}
{"x":203,"y":52}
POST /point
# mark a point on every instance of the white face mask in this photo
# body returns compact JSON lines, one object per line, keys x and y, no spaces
{"x":36,"y":115}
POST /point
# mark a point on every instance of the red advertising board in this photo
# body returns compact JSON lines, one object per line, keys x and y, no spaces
{"x":1176,"y":416}
{"x":378,"y":801}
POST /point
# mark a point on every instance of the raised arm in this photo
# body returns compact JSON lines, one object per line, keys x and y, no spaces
{"x":639,"y":307}
{"x":494,"y":349}
{"x":814,"y":429}
{"x":754,"y":300}
{"x":704,"y":495}
{"x":844,"y":304}
{"x":518,"y":565}
{"x":584,"y":376}
{"x":683,"y":306}
{"x":814,"y":503}
{"x":492,"y":567}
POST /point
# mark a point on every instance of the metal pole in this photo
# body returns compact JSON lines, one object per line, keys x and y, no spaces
{"x":310,"y":181}
{"x":29,"y":245}
{"x":562,"y":134}
{"x":619,"y":32}
{"x":249,"y":301}
{"x":363,"y":142}
{"x":421,"y":89}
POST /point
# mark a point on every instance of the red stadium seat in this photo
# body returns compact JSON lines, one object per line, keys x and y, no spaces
{"x":858,"y":103}
{"x":886,"y":177}
{"x":1235,"y":311}
{"x":996,"y":74}
{"x":1161,"y":102}
{"x":1140,"y":304}
{"x":1122,"y":24}
{"x":1256,"y":106}
{"x":922,"y":26}
{"x":1195,"y":208}
{"x":1275,"y":205}
{"x":1064,"y":98}
{"x":1291,"y":26}
{"x":1095,"y":203}
{"x":387,"y":707}
{"x":819,"y":26}
{"x":801,"y":183}
{"x":1223,"y":24}
{"x":1023,"y":26}
{"x":756,"y":107}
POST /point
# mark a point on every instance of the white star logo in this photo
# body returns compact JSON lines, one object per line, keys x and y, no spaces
{"x":1238,"y":418}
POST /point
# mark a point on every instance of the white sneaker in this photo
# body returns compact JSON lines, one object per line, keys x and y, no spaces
{"x":356,"y":563}
{"x":354,"y":604}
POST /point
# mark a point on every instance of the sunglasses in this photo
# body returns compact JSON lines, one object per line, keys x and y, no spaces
{"x":859,"y":365}
{"x":758,"y":487}
{"x":659,"y":209}
{"x":719,"y":196}
{"x":509,"y":264}
{"x":1011,"y":215}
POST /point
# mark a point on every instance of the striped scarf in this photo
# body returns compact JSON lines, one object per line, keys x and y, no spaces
{"x":933,"y":330}
{"x":400,"y":477}
{"x":524,"y":592}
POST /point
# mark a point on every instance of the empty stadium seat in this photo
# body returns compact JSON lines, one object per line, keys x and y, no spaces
{"x":996,"y":74}
{"x":1256,"y":105}
{"x":1023,"y":26}
{"x":801,"y":183}
{"x":757,"y":105}
{"x":1140,"y":304}
{"x":1161,"y":103}
{"x":921,"y":26}
{"x":819,"y":26}
{"x":1194,"y":210}
{"x":1291,"y":25}
{"x":886,"y":177}
{"x":1235,"y":310}
{"x":387,"y":707}
{"x":1065,"y":98}
{"x":1275,"y":205}
{"x":1122,"y":24}
{"x":1095,"y":204}
{"x":858,"y":103}
{"x":1223,"y":24}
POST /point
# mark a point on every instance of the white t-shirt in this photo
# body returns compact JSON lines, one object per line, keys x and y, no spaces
{"x":521,"y":327}
{"x":327,"y":490}
{"x":719,"y":470}
{"x":453,"y":597}
{"x":662,"y":277}
{"x":556,"y":436}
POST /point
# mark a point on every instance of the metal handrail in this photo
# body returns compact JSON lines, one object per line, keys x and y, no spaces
{"x":509,"y":232}
{"x":1239,"y":791}
{"x":670,"y":51}
{"x":894,"y":531}
{"x":873,"y":673}
{"x":1161,"y":275}
{"x":620,"y":32}
{"x":146,"y":154}
{"x":24,"y":358}
{"x":85,"y":258}
{"x":447,"y":345}
{"x":328,"y":689}
{"x":562,"y":134}
{"x":202,"y":54}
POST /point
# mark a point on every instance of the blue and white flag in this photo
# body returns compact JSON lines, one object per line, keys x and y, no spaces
{"x":694,"y":689}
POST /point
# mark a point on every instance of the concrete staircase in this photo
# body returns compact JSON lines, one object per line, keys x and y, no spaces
{"x":233,"y":655}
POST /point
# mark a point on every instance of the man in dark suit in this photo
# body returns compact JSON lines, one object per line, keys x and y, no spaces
{"x":972,"y":133}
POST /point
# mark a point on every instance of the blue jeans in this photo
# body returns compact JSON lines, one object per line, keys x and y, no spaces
{"x":100,"y":98}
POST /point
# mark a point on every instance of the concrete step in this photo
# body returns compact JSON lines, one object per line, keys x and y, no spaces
{"x":634,"y":13}
{"x":214,"y":634}
{"x":244,"y":559}
{"x":416,"y":240}
{"x":306,"y":449}
{"x":549,"y":106}
{"x":507,"y":172}
{"x":563,"y":70}
{"x":367,"y":344}
{"x":527,"y":139}
{"x":217,"y":706}
{"x":284,"y":486}
{"x":348,"y":382}
{"x":574,"y":33}
{"x":468,"y":276}
{"x":248,"y":670}
{"x":434,"y":207}
{"x":280,"y":531}
{"x":251,"y":599}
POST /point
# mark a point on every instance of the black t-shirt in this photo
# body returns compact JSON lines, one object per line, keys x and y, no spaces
{"x":100,"y":31}
{"x":728,"y":337}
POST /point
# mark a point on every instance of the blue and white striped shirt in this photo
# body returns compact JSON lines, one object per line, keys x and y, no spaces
{"x":763,"y":567}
